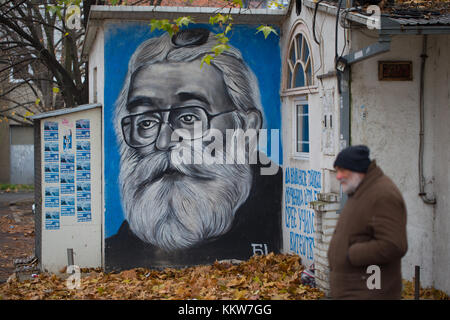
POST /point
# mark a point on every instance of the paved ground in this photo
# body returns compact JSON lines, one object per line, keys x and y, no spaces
{"x":16,"y":229}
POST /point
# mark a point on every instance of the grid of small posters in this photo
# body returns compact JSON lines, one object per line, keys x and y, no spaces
{"x":83,"y":135}
{"x":67,"y":171}
{"x":51,"y":175}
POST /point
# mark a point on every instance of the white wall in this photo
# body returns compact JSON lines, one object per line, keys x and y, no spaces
{"x":96,"y":60}
{"x":385,"y":116}
{"x":84,"y":237}
{"x":438,"y":85}
{"x":323,"y":99}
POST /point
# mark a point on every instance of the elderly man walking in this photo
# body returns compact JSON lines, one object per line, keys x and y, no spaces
{"x":370,"y":237}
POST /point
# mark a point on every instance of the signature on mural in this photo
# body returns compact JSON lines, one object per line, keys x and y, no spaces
{"x":185,"y":213}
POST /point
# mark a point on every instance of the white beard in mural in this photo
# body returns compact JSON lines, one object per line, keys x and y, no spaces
{"x":176,"y":206}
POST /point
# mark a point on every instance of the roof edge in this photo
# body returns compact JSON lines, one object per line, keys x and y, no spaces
{"x":98,"y":14}
{"x":59,"y":112}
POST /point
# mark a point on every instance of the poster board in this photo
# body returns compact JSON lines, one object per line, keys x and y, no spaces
{"x":71,"y":189}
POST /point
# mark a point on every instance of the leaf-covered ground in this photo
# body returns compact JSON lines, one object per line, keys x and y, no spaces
{"x":271,"y":277}
{"x":261,"y":277}
{"x":16,"y":235}
{"x":425,"y":293}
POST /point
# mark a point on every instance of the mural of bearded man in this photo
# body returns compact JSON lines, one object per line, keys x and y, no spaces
{"x":179,"y":213}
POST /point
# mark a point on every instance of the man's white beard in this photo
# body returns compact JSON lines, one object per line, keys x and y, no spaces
{"x":350,"y":185}
{"x":179,"y":210}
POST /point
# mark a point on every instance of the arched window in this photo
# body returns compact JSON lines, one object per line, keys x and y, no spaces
{"x":299,"y":63}
{"x":298,"y":84}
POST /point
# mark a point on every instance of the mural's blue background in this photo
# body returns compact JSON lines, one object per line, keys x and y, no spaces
{"x":121,"y":40}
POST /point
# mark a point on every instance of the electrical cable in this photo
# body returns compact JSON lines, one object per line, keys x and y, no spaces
{"x":338,"y":73}
{"x":298,"y":7}
{"x":336,"y":31}
{"x":314,"y":21}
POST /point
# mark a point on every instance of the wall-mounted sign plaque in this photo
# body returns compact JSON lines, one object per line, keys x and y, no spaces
{"x":395,"y":70}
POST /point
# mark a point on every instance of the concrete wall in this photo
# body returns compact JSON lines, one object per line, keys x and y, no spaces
{"x":438,"y":79}
{"x":385,"y":116}
{"x":17,"y":154}
{"x":22,"y":155}
{"x":96,"y":61}
{"x":5,"y":160}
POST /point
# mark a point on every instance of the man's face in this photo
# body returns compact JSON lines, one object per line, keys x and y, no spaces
{"x":176,"y":205}
{"x":180,"y":85}
{"x":349,"y":180}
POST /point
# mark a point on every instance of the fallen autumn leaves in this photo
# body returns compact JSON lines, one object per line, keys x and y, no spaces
{"x":270,"y":277}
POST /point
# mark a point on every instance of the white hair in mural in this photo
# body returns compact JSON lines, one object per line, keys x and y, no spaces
{"x":175,"y":205}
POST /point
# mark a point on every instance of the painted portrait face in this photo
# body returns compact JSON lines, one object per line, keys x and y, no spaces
{"x":164,"y":97}
{"x":174,"y":205}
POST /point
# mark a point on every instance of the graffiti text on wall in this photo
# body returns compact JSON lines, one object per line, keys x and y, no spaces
{"x":302,"y":187}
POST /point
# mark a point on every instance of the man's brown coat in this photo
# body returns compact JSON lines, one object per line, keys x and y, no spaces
{"x":371,"y":231}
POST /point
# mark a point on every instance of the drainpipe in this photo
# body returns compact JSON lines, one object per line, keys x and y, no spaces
{"x":422,"y":192}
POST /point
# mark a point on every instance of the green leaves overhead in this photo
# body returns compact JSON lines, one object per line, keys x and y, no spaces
{"x":220,"y":19}
{"x":183,"y":21}
{"x":237,"y":3}
{"x":61,"y":4}
{"x":219,"y":48}
{"x":170,"y":26}
{"x":163,"y":24}
{"x":207,"y":58}
{"x":266,"y":30}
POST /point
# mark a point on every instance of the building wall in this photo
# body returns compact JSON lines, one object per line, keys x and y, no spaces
{"x":323,"y":100}
{"x":22,"y":154}
{"x":438,"y":93}
{"x":385,"y":116}
{"x":5,"y":154}
{"x":96,"y":62}
{"x":17,"y":153}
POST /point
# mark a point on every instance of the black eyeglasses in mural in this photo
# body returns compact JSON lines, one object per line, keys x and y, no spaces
{"x":142,"y":129}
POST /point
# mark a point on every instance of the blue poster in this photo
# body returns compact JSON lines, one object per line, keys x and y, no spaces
{"x":84,"y":211}
{"x":50,"y":131}
{"x":67,"y":206}
{"x":67,"y":163}
{"x":51,"y":151}
{"x":67,"y":183}
{"x":83,"y":150}
{"x":51,"y":172}
{"x":83,"y":171}
{"x":67,"y":189}
{"x":67,"y":140}
{"x":52,"y":220}
{"x":83,"y":191}
{"x":51,"y":197}
{"x":83,"y":129}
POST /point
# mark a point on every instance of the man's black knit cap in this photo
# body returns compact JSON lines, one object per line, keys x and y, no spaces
{"x":354,"y":158}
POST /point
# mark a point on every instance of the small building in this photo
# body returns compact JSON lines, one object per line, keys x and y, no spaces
{"x":16,"y":135}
